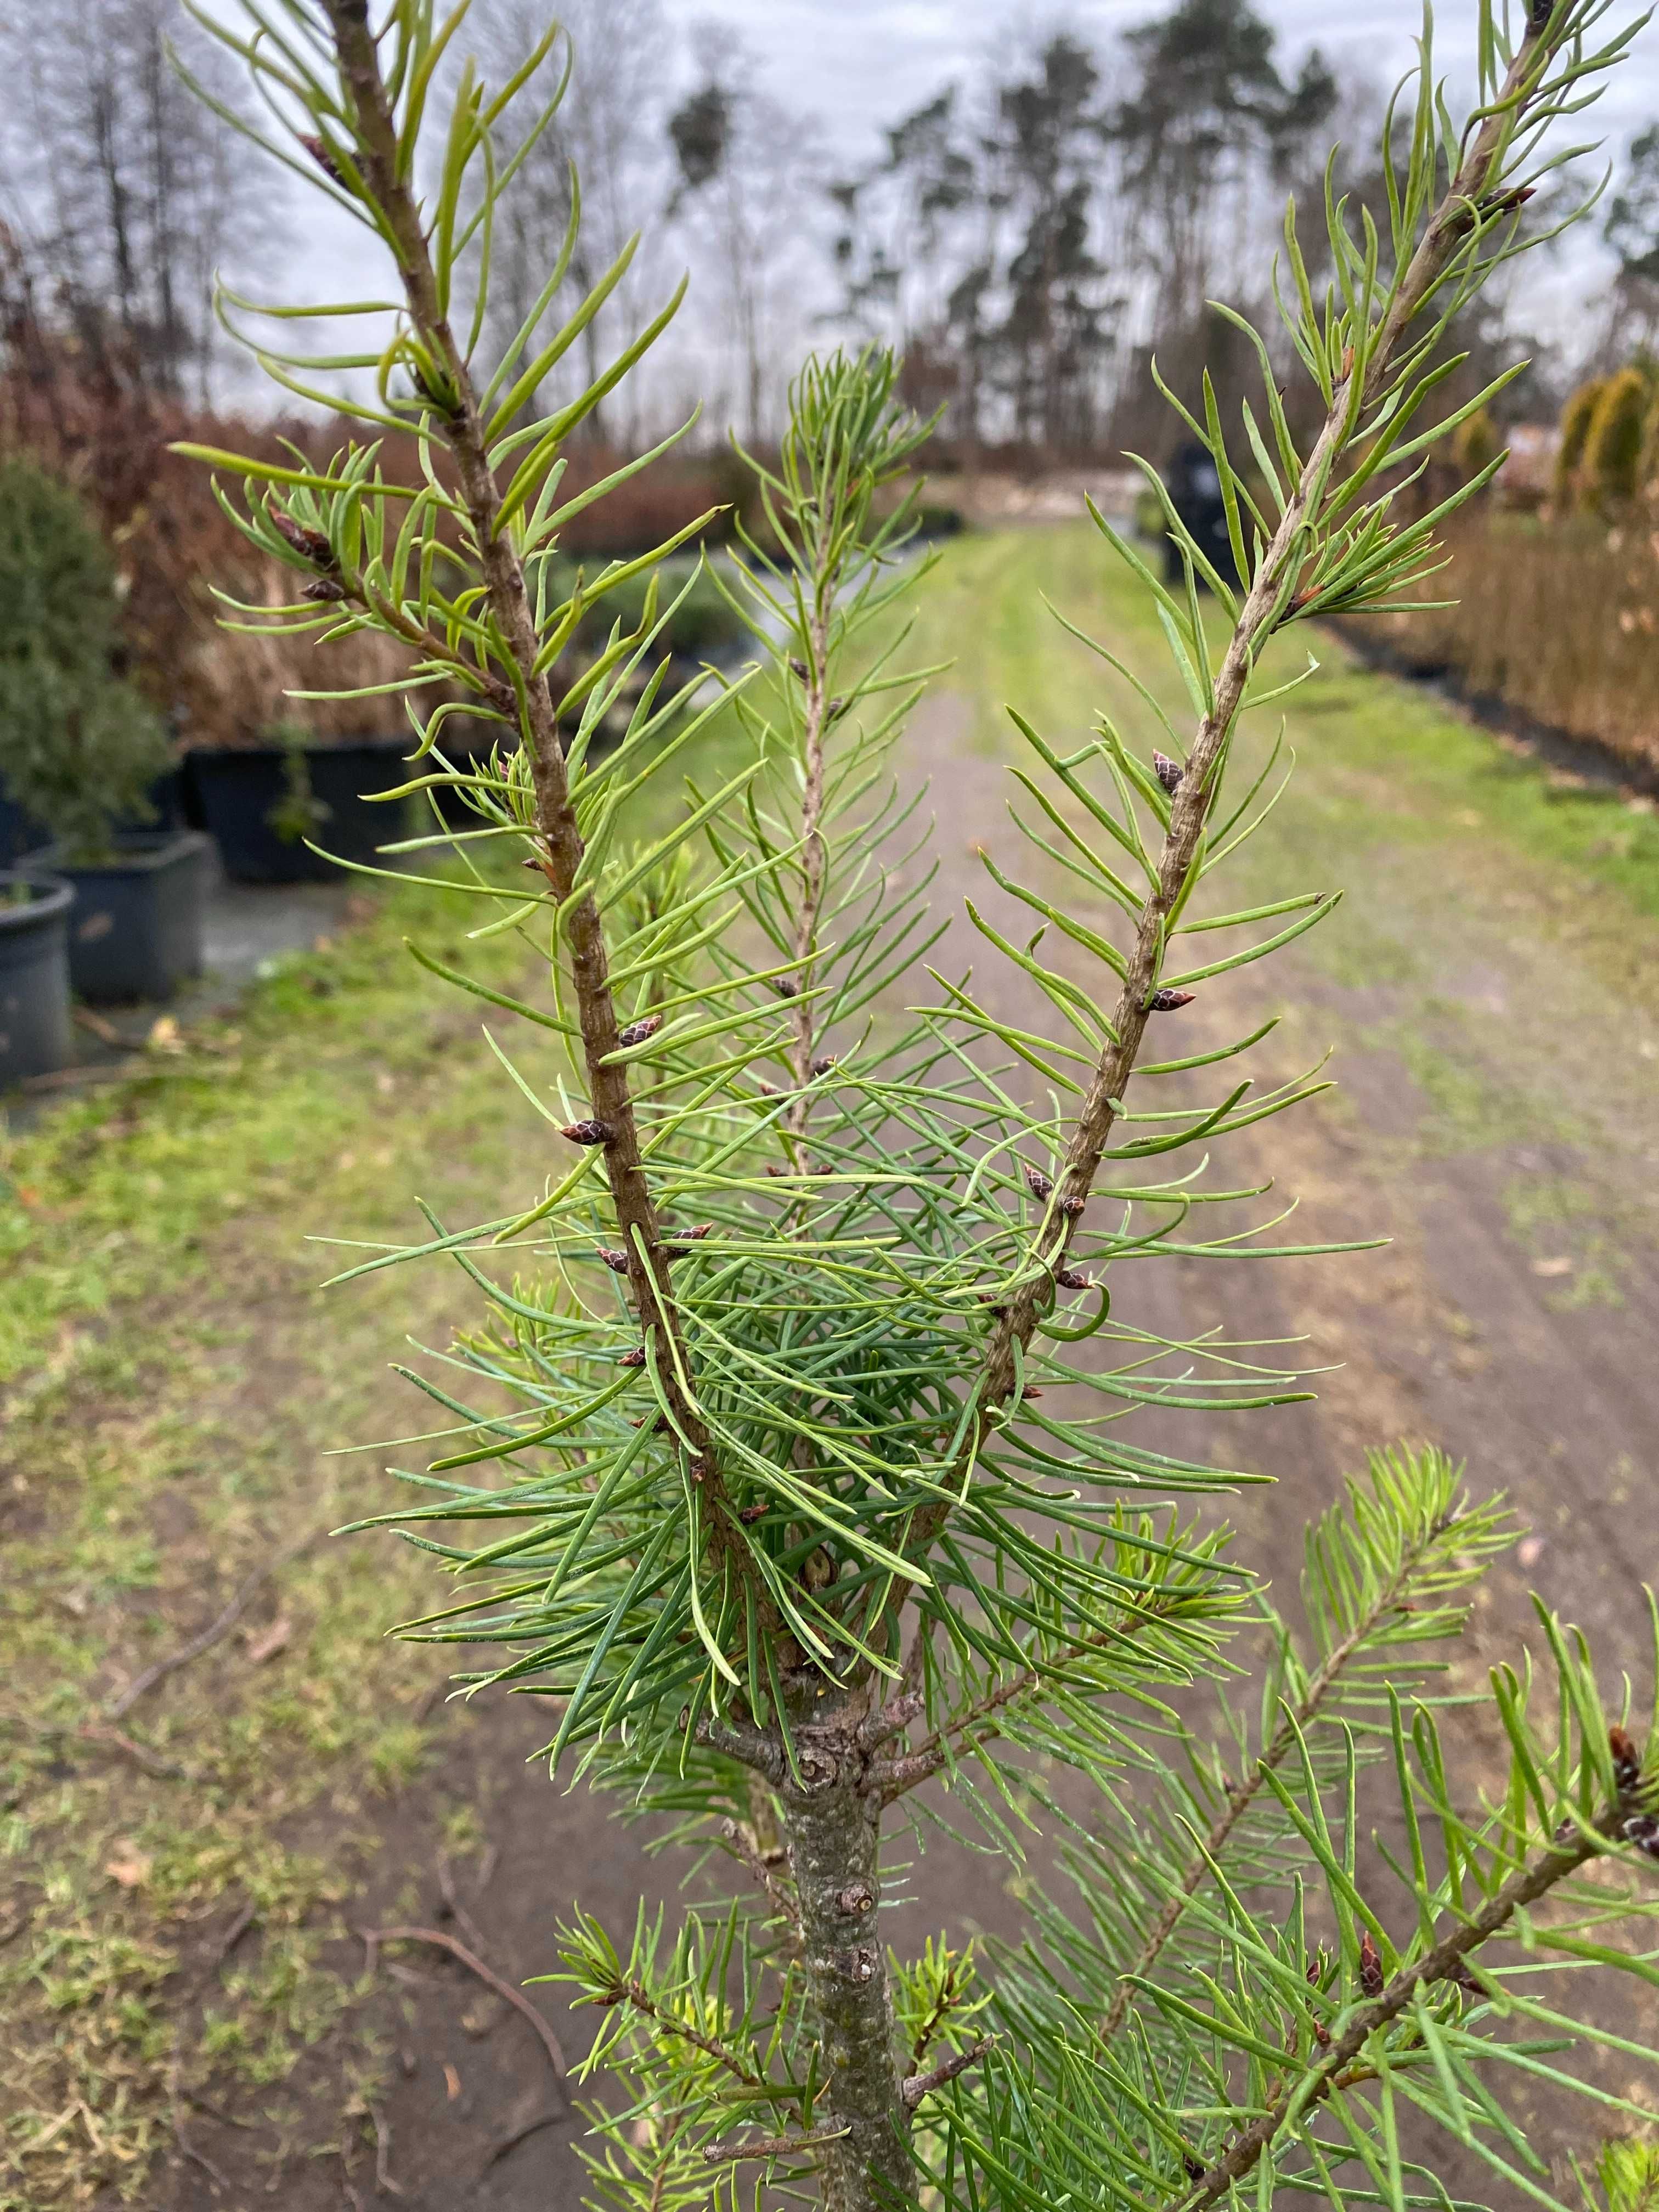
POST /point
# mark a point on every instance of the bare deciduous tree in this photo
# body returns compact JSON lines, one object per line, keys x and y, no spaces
{"x":747,"y":168}
{"x":128,"y":193}
{"x":608,"y":131}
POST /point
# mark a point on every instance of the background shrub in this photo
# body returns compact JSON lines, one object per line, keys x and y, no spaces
{"x":79,"y":747}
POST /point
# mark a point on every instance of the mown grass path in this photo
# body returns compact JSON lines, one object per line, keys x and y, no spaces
{"x":172,"y":1382}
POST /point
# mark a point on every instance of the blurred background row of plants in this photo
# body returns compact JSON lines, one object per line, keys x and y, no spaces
{"x":1555,"y":574}
{"x":1031,"y":237}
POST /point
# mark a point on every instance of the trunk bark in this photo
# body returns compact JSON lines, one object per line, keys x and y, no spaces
{"x":832,"y":1834}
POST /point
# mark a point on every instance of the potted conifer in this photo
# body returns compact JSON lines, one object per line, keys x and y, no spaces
{"x":81,"y":750}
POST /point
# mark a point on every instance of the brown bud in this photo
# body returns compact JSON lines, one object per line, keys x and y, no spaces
{"x":1321,"y":2033}
{"x":320,"y":154}
{"x":833,"y":708}
{"x":1370,"y":1965}
{"x":1071,"y":1207}
{"x":681,"y":1240}
{"x":311,"y":544}
{"x":1166,"y":1002}
{"x":1037,"y":1183}
{"x":633,"y":1358}
{"x":799,"y":671}
{"x":636,"y":1032}
{"x":824,"y":1063}
{"x":324,"y":588}
{"x":784,"y":986}
{"x":750,"y":1514}
{"x":767,"y":1089}
{"x":618,"y":1261}
{"x":1168,"y":772}
{"x":1195,"y":2166}
{"x":1627,"y":1760}
{"x":818,"y":1569}
{"x":588,"y":1133}
{"x":701,"y":1468}
{"x":1070,"y":1279}
{"x":1644,"y":1832}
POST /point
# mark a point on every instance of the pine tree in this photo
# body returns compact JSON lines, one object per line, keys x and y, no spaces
{"x":790,"y":1465}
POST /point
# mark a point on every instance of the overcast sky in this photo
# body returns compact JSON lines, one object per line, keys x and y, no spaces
{"x":851,"y":59}
{"x":856,"y":65}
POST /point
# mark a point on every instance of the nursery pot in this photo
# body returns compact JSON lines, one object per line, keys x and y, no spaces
{"x":243,"y":793}
{"x":18,"y":832}
{"x":135,"y":928}
{"x":34,"y":984}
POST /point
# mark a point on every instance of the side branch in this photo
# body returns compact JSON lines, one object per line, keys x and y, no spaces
{"x":559,"y":838}
{"x":816,"y":712}
{"x":1243,"y":1795}
{"x":1442,"y":1964}
{"x":918,"y":2086}
{"x":890,"y":1778}
{"x":1446,"y":235}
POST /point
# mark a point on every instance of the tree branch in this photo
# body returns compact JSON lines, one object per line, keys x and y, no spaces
{"x":890,"y":1778}
{"x":1243,"y":1795}
{"x":1523,"y":1888}
{"x":561,"y":841}
{"x":636,"y":1993}
{"x":918,"y":2086}
{"x":814,"y":710}
{"x":1447,"y":234}
{"x":725,"y":2153}
{"x":745,"y":1846}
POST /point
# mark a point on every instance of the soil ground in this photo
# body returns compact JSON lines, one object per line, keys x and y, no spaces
{"x":192,"y":2023}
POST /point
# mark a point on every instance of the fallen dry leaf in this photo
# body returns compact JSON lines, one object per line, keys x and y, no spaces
{"x":165,"y":1035}
{"x":1529,"y":1551}
{"x":1561,"y":1265}
{"x":451,"y":2082}
{"x":129,"y":1866}
{"x":275,"y":1639}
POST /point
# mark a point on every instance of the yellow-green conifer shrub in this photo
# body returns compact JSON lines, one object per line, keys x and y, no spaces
{"x":1612,"y":446}
{"x":1576,"y":417}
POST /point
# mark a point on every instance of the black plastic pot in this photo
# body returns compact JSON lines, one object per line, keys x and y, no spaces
{"x":241,"y":795}
{"x":21,"y":834}
{"x":18,"y":833}
{"x":34,"y":984}
{"x":135,"y":928}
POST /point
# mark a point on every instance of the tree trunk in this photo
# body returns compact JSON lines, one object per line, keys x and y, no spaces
{"x":832,"y":1835}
